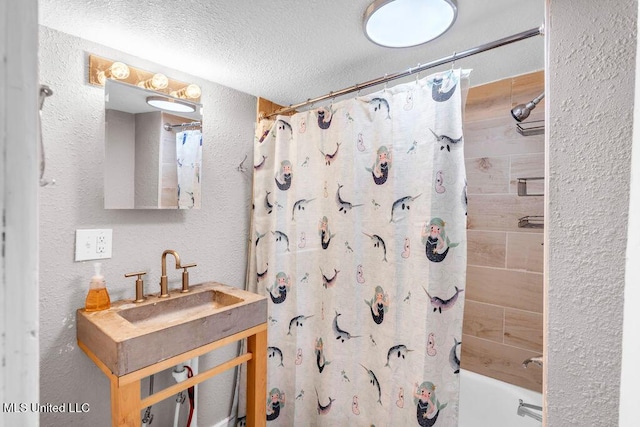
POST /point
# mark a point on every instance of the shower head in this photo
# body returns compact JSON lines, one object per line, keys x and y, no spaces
{"x":522,"y":111}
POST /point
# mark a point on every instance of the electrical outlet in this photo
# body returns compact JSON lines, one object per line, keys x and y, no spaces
{"x":93,"y":244}
{"x":101,"y":244}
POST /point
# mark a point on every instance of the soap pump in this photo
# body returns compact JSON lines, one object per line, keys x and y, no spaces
{"x":98,"y":297}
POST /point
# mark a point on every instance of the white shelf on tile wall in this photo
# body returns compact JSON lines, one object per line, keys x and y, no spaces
{"x":530,"y":128}
{"x":523,"y":190}
{"x":531,"y":221}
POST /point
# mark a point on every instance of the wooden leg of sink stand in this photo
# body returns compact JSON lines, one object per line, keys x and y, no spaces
{"x":257,"y":380}
{"x":125,"y":404}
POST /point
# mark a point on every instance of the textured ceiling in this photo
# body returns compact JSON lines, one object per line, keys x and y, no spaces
{"x":291,"y":50}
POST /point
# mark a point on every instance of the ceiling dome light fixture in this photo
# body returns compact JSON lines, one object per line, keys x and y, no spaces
{"x":170,"y":104}
{"x":406,"y":23}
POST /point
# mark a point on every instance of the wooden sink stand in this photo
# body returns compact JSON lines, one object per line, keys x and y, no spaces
{"x":127,"y":405}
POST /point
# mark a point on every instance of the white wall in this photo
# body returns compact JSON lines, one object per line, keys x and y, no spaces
{"x":215,"y":236}
{"x":120,"y":156}
{"x":590,"y":86}
{"x":19,"y":372}
{"x":148,"y":162}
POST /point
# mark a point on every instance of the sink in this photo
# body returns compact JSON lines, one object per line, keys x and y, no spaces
{"x":129,"y":336}
{"x":172,"y":310}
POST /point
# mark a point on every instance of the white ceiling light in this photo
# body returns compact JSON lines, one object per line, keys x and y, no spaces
{"x":170,"y":104}
{"x":405,"y":23}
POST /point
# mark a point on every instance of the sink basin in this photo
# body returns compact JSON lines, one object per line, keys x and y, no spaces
{"x":172,"y":310}
{"x":129,"y":336}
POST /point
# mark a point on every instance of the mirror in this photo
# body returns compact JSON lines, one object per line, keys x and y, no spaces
{"x":153,"y":158}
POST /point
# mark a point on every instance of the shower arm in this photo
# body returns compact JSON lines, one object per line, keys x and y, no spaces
{"x":535,"y":101}
{"x":389,"y":77}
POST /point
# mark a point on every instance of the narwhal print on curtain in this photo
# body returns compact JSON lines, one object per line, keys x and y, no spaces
{"x":359,"y":243}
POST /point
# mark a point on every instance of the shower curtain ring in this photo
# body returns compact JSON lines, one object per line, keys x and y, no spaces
{"x":454,"y":60}
{"x":385,"y":82}
{"x":418,"y":73}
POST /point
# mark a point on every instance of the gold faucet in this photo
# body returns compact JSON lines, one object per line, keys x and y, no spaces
{"x":164,"y":288}
{"x":164,"y":291}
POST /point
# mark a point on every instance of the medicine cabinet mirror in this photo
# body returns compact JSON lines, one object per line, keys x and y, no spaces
{"x":153,"y":158}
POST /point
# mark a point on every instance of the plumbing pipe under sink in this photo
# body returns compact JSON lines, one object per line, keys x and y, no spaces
{"x":180,"y":374}
{"x":147,"y":419}
{"x":176,"y":416}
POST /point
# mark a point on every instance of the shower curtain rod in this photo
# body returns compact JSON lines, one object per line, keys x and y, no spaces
{"x":389,"y":77}
{"x":170,"y":127}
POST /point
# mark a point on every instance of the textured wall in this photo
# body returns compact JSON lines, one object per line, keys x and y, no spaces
{"x":214,"y":236}
{"x":592,"y":48}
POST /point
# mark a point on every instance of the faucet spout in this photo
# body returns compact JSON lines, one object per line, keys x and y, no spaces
{"x":164,"y":287}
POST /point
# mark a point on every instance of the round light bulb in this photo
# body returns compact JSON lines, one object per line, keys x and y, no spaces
{"x":119,"y":70}
{"x":101,"y":77}
{"x":159,"y":81}
{"x":193,"y":91}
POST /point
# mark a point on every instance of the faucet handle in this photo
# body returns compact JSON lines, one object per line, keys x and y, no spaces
{"x":139,"y":285}
{"x":185,"y":277}
{"x":537,"y":360}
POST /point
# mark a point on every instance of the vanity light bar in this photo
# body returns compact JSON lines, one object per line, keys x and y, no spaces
{"x":102,"y":68}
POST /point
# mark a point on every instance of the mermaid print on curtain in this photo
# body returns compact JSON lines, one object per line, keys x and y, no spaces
{"x":359,"y":244}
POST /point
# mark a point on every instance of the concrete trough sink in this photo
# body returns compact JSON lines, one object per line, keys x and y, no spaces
{"x":128,"y":337}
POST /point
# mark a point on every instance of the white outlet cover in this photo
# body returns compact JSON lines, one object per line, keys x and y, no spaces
{"x":93,"y":244}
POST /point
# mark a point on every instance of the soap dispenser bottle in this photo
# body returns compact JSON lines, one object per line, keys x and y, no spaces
{"x":98,"y":297}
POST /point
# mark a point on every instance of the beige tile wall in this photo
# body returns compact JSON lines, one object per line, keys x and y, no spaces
{"x":503,"y":309}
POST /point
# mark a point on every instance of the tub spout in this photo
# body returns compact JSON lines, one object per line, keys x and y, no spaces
{"x":525,"y":409}
{"x":537,"y":360}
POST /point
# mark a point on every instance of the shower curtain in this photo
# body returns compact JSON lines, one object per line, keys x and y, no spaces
{"x":359,"y":244}
{"x":189,"y":162}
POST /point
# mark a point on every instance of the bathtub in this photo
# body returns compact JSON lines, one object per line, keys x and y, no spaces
{"x":485,"y":402}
